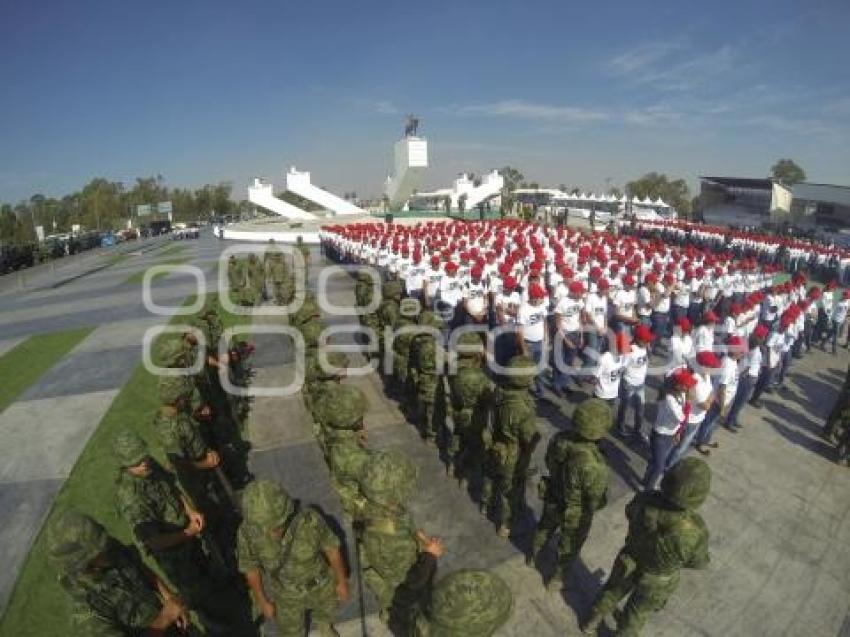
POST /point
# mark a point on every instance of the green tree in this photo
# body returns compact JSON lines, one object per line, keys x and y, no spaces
{"x":615,"y":192}
{"x":787,"y":172}
{"x":653,"y":185}
{"x":512,"y":178}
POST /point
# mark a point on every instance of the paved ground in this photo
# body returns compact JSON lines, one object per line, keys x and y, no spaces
{"x":778,"y":512}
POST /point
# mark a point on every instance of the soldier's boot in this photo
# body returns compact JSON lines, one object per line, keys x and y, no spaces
{"x":328,"y":630}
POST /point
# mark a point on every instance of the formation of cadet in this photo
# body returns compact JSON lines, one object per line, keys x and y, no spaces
{"x":576,"y":487}
{"x":837,"y":429}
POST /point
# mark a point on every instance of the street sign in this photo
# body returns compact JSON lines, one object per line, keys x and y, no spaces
{"x":164,"y":207}
{"x":143,"y":210}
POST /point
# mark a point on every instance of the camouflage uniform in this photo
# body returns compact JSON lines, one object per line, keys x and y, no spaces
{"x":577,"y":485}
{"x":153,"y":505}
{"x":401,"y":352}
{"x":471,"y":392}
{"x":278,"y":278}
{"x":116,"y":598}
{"x":341,"y":415}
{"x":320,"y":381}
{"x":294,"y":563}
{"x":388,"y":311}
{"x":466,"y":604}
{"x":837,"y":429}
{"x":364,"y":292}
{"x":665,"y":535}
{"x":513,"y":439}
{"x":389,"y":546}
{"x":425,"y":376}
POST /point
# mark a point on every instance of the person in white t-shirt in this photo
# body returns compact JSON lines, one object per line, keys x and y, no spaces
{"x":431,"y":283}
{"x":633,"y":385}
{"x":475,"y":297}
{"x":531,"y":337}
{"x":770,"y":364}
{"x":625,"y":306}
{"x":727,"y":382}
{"x":414,"y":281}
{"x":451,"y":292}
{"x":670,"y":422}
{"x":609,"y":371}
{"x":596,"y":307}
{"x":506,"y":307}
{"x":704,"y":334}
{"x":752,"y":364}
{"x":681,"y":345}
{"x":570,"y":340}
{"x":702,"y":398}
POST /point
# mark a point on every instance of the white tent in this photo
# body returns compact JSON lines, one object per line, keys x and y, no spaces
{"x":623,"y":198}
{"x":659,"y":202}
{"x":647,"y":201}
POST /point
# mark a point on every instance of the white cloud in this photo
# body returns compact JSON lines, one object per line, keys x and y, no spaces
{"x":642,"y":56}
{"x":385,"y":107}
{"x":523,"y":109}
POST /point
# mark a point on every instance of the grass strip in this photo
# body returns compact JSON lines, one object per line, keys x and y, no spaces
{"x":38,"y":607}
{"x":25,"y":363}
{"x":139,"y":276}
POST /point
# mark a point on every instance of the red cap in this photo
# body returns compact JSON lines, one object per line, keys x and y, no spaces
{"x":435,"y":260}
{"x":684,"y":324}
{"x":735,"y":344}
{"x":628,"y":280}
{"x":643,"y":334}
{"x":735,"y":309}
{"x":624,"y":346}
{"x":476,"y":271}
{"x":708,"y":359}
{"x":846,"y":294}
{"x":761,"y":331}
{"x":509,"y":282}
{"x":451,"y":266}
{"x":683,"y":378}
{"x":710,"y":317}
{"x":651,"y":278}
{"x":576,"y":287}
{"x":602,"y":284}
{"x":536,"y":291}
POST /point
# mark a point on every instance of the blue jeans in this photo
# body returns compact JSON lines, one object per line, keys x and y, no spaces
{"x":677,"y":312}
{"x":762,"y":383}
{"x":569,"y":356}
{"x":681,"y":449}
{"x":660,"y":326}
{"x":535,"y":351}
{"x":706,"y":429}
{"x":636,"y":397}
{"x":784,"y":364}
{"x":746,"y":385}
{"x":660,"y":446}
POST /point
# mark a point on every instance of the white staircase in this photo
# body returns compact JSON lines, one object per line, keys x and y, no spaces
{"x":299,"y":183}
{"x":262,"y":195}
{"x":491,"y":185}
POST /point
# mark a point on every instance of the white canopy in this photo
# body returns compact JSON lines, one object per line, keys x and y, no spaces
{"x":647,"y":201}
{"x":660,"y":202}
{"x":623,"y":198}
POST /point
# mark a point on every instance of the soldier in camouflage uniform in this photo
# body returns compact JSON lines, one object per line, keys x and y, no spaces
{"x":343,"y":440}
{"x":164,"y":522}
{"x":299,"y":555}
{"x":112,"y":592}
{"x":426,"y":356}
{"x":510,"y":444}
{"x":364,"y":292}
{"x":401,"y":339}
{"x":389,"y":542}
{"x":466,"y":603}
{"x":577,"y":485}
{"x":665,"y":535}
{"x":388,"y":312}
{"x":471,"y":392}
{"x":320,"y":379}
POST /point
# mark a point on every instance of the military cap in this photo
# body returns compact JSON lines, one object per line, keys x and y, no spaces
{"x":392,"y":290}
{"x":172,"y":388}
{"x":129,"y":448}
{"x":74,"y":540}
{"x":266,"y":503}
{"x":469,"y":603}
{"x":592,"y":419}
{"x":337,"y":364}
{"x":520,"y":375}
{"x":168,"y":351}
{"x":687,"y":484}
{"x":390,"y":478}
{"x":470,"y":340}
{"x":343,"y":408}
{"x":430,"y":319}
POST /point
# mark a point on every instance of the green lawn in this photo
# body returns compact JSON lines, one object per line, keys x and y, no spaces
{"x":24,"y":364}
{"x":139,"y":276}
{"x":38,"y":606}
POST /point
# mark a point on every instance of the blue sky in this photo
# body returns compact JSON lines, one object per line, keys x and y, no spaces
{"x":584,"y":94}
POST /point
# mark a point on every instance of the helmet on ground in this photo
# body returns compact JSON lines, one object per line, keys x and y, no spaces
{"x":266,"y":503}
{"x":73,"y":541}
{"x":687,"y":484}
{"x":592,"y":419}
{"x":469,"y":603}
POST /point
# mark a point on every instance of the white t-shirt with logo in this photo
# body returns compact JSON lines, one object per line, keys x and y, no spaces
{"x":702,"y":390}
{"x":532,"y":318}
{"x":624,"y":302}
{"x":415,"y":277}
{"x":476,"y":294}
{"x":510,"y":304}
{"x":608,"y":373}
{"x":569,"y":311}
{"x":637,"y":363}
{"x":729,"y":376}
{"x":451,"y":290}
{"x":597,"y":307}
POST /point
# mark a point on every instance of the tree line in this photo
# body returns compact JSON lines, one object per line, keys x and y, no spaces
{"x":107,"y":205}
